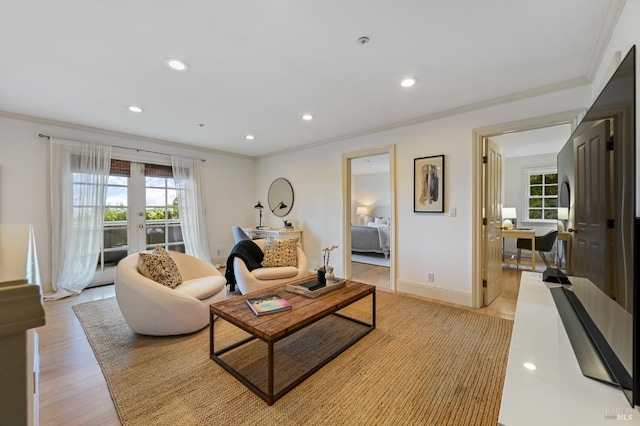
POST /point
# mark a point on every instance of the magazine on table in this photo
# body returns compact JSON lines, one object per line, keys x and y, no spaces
{"x":268,"y":304}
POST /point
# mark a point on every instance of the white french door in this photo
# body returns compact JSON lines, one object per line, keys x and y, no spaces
{"x":141,"y":212}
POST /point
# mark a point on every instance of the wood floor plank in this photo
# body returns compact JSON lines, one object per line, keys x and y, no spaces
{"x":72,"y":389}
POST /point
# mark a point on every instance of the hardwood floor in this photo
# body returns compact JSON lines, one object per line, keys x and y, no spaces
{"x":371,"y":274}
{"x":504,"y":306}
{"x":73,"y":390}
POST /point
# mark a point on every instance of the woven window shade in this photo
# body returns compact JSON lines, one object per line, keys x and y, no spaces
{"x":157,"y":170}
{"x":120,"y":168}
{"x":123,"y":168}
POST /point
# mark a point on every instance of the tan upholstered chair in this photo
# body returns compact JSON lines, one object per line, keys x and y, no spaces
{"x":261,"y":278}
{"x":154,"y":309}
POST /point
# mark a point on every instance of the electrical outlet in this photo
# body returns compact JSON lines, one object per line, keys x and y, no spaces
{"x":219,"y":251}
{"x":431,"y":277}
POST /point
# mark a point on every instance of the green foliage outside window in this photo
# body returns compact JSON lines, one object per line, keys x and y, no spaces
{"x":114,"y":214}
{"x":542,"y":196}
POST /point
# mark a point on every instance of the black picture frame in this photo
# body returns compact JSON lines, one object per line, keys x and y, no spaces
{"x":428,"y":184}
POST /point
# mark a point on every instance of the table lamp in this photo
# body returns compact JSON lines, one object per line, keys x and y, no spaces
{"x":362,"y":211}
{"x":259,"y":207}
{"x":508,"y":214}
{"x":563,"y":214}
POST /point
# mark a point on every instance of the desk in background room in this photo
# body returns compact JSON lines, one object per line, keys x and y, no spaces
{"x":529,"y":234}
{"x":282,"y":234}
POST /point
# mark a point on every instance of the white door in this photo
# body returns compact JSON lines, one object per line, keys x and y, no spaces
{"x":589,"y":230}
{"x":141,"y":212}
{"x":492,"y":226}
{"x":154,"y":218}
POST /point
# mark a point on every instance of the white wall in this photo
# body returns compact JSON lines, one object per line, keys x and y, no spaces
{"x":625,"y":35}
{"x":425,"y":242}
{"x":229,"y":183}
{"x":370,"y":190}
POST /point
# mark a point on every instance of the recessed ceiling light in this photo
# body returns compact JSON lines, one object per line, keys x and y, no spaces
{"x":249,"y":137}
{"x":307,"y":117}
{"x":176,"y":64}
{"x":135,"y":108}
{"x":529,"y":366}
{"x":408,"y":82}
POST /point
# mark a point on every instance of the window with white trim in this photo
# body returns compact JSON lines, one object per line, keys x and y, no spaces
{"x":141,"y":211}
{"x":542,"y":195}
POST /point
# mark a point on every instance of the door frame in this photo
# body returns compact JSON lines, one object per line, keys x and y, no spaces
{"x":346,"y":206}
{"x":572,"y":117}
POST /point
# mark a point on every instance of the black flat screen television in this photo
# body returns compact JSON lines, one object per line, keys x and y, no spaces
{"x":597,"y":178}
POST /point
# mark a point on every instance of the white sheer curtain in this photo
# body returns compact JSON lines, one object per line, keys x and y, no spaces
{"x":187,"y":174}
{"x":79,"y":173}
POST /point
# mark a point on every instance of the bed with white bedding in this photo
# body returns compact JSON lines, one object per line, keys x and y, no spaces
{"x":373,"y":238}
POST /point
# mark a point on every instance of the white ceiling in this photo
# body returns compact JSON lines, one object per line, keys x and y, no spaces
{"x":547,"y":140}
{"x":257,"y":65}
{"x":371,"y":164}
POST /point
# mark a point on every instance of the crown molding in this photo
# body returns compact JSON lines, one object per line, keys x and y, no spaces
{"x":79,"y":127}
{"x":531,"y":93}
{"x":605,"y":32}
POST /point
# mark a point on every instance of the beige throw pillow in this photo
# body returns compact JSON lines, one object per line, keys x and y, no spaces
{"x":280,"y":253}
{"x":160,"y":267}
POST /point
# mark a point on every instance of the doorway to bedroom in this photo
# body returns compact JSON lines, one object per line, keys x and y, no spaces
{"x":369,"y":216}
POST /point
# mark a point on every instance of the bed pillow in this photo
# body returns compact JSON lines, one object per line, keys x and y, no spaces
{"x":375,"y":225}
{"x":280,"y":253}
{"x":160,"y":267}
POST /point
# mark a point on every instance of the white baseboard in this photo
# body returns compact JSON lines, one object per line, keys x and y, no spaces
{"x":442,"y":294}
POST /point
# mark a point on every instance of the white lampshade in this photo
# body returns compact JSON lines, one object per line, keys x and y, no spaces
{"x":362,"y":211}
{"x":509,"y":213}
{"x":563,"y":213}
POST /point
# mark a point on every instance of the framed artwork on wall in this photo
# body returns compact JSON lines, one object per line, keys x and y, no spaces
{"x":428,"y":184}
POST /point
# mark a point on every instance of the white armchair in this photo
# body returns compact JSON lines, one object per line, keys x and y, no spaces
{"x":261,"y":278}
{"x":154,"y":309}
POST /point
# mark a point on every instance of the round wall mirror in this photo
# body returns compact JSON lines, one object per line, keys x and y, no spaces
{"x":564,"y":199}
{"x":280,"y":197}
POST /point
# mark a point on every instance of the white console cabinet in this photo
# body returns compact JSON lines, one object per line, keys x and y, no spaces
{"x":555,"y":392}
{"x":282,"y":234}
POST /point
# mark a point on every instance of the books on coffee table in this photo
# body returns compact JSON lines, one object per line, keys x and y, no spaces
{"x":268,"y":304}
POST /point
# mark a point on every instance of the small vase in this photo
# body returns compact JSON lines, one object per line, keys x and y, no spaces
{"x":328,"y":276}
{"x":321,"y":276}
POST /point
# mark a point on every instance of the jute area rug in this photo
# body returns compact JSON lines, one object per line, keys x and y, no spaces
{"x":424,"y":364}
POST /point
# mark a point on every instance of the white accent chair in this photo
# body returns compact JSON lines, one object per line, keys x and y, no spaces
{"x":153,"y":309}
{"x":261,"y":278}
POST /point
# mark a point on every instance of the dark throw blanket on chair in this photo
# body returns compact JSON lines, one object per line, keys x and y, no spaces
{"x":250,"y":254}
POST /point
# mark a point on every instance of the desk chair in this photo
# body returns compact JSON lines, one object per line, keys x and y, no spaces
{"x":544,"y":244}
{"x":239,"y":234}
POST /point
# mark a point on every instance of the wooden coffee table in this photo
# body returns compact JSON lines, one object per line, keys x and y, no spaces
{"x":274,"y":327}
